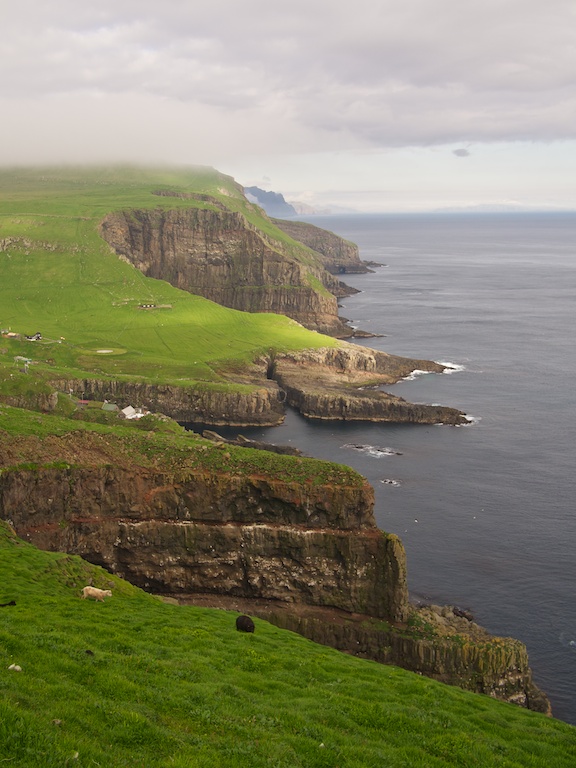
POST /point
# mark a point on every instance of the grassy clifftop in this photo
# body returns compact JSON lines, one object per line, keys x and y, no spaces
{"x":136,"y":682}
{"x":32,"y":440}
{"x":96,"y":313}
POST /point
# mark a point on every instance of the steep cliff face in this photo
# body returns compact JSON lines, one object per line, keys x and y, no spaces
{"x":32,"y":398}
{"x":220,"y":255}
{"x":338,"y":256}
{"x":334,"y":383}
{"x":261,"y":405}
{"x":249,"y":536}
{"x":289,"y":539}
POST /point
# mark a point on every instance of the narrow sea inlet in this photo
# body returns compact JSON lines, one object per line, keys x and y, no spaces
{"x":486,"y":511}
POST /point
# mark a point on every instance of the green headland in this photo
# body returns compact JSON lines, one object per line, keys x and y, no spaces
{"x":99,"y":315}
{"x":138,"y":681}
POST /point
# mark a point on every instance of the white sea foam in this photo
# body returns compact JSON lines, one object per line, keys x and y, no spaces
{"x":470,"y":421}
{"x":451,"y":367}
{"x":414,"y":374}
{"x":372,"y":450}
{"x":567,"y":640}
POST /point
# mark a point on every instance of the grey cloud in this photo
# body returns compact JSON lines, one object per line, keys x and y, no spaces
{"x":461,"y":152}
{"x":314,"y":75}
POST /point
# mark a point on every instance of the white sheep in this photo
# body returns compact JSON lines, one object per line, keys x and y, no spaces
{"x":97,"y":594}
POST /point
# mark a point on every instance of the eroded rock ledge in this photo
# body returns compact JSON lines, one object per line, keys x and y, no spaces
{"x":340,"y":383}
{"x":261,"y":404}
{"x":295,"y":537}
{"x":454,"y":651}
{"x":343,"y":383}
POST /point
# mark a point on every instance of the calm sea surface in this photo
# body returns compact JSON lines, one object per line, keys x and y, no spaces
{"x":486,"y":512}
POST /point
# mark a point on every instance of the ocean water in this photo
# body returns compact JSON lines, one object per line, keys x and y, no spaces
{"x":487,"y":511}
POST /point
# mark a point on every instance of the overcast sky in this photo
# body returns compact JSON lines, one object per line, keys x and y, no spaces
{"x":371,"y":104}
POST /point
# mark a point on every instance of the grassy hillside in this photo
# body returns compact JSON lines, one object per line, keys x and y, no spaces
{"x":137,"y":682}
{"x":61,"y":279}
{"x":147,"y":443}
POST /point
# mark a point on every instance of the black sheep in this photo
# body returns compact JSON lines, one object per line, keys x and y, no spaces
{"x":244,"y":624}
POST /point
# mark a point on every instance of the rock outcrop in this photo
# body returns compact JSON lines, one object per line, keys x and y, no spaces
{"x":338,"y":256}
{"x":464,"y":655}
{"x":234,"y":405}
{"x":250,"y":536}
{"x":262,"y":533}
{"x":343,"y":384}
{"x":335,"y":383}
{"x":217,"y":253}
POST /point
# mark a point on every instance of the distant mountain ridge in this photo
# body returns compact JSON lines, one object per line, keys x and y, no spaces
{"x":273,"y":202}
{"x":276,"y":205}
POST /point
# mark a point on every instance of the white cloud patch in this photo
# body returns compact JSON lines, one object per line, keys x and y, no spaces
{"x":328,"y":91}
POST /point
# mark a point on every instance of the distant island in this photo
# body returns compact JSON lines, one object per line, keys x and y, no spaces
{"x":273,"y":202}
{"x":277,"y":206}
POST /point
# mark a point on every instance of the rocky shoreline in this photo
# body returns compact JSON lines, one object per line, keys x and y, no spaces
{"x":221,"y":524}
{"x":344,"y":384}
{"x":336,"y":383}
{"x":289,"y":539}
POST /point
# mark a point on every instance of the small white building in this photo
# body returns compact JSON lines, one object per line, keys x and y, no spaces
{"x":132,"y":413}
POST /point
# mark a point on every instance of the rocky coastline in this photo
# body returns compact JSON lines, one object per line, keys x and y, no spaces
{"x":344,"y":384}
{"x":232,"y":526}
{"x":290,"y":539}
{"x":217,"y":253}
{"x":335,"y":383}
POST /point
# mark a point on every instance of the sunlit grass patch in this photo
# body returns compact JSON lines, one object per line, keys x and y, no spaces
{"x":62,"y":280}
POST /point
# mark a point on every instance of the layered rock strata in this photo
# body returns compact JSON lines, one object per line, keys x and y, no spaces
{"x":338,"y":383}
{"x":343,"y":383}
{"x":251,"y":537}
{"x":305,"y":552}
{"x":260,"y":405}
{"x":337,"y":255}
{"x":218,"y":254}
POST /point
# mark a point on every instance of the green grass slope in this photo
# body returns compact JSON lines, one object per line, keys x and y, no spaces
{"x":137,"y":682}
{"x":25,"y":443}
{"x":60,"y":278}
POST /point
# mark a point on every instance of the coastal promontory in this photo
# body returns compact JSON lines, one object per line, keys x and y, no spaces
{"x":169,"y":290}
{"x":290,"y":539}
{"x":133,"y":299}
